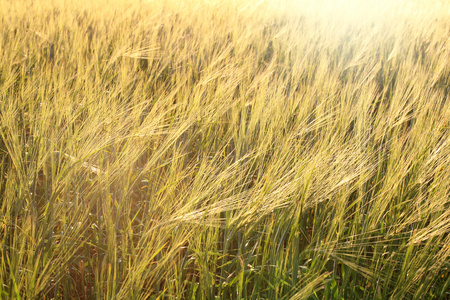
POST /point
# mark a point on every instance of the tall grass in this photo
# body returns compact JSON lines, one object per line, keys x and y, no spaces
{"x":224,"y":149}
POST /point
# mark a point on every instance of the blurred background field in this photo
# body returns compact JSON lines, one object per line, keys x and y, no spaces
{"x":224,"y":149}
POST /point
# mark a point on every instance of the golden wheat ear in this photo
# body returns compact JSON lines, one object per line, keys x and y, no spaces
{"x":72,"y":159}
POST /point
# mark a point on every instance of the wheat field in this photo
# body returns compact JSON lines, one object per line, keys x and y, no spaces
{"x":195,"y":149}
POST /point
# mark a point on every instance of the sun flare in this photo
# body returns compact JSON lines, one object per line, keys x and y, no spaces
{"x":224,"y":149}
